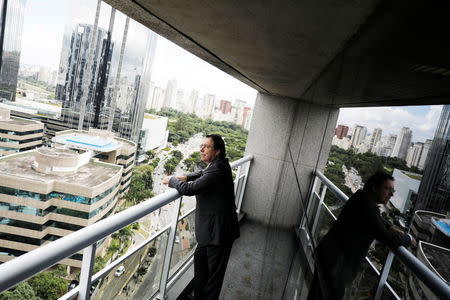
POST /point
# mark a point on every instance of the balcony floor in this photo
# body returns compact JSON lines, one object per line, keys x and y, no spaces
{"x":265,"y":263}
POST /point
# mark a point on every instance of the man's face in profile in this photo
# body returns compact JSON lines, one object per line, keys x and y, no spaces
{"x":207,"y":152}
{"x":385,"y":192}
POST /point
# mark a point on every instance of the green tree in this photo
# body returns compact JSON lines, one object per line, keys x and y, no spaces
{"x":48,"y":286}
{"x":23,"y":291}
{"x":152,"y":251}
{"x":60,"y":271}
{"x":141,"y":271}
{"x":99,"y":264}
{"x":151,"y":154}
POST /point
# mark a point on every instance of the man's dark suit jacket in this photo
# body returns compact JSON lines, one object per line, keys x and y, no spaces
{"x":216,"y":221}
{"x":342,"y":250}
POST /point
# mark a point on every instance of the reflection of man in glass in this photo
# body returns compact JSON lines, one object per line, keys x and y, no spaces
{"x":342,"y":250}
{"x":216,"y":223}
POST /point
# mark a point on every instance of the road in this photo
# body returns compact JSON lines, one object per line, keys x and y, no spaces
{"x":127,"y":286}
{"x":352,"y":178}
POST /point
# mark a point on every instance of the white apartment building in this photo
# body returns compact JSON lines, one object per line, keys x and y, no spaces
{"x":155,"y":132}
{"x":402,"y":143}
{"x":406,"y":183}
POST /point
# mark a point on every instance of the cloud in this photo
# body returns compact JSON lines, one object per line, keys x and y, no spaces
{"x":421,"y":120}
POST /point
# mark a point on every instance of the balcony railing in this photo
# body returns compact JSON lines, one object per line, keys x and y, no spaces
{"x":166,"y":267}
{"x":318,"y":211}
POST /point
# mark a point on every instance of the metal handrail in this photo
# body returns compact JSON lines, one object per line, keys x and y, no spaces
{"x":39,"y":259}
{"x":33,"y":262}
{"x":439,"y":287}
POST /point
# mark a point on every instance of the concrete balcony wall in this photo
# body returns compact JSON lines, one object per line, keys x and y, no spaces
{"x":265,"y":261}
{"x":272,"y":195}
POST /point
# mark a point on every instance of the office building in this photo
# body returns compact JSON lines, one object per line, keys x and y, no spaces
{"x":246,"y":115}
{"x":170,"y":97}
{"x":375,"y":138}
{"x":208,"y":105}
{"x":225,"y":106}
{"x":424,"y":155}
{"x":105,"y":147}
{"x":155,"y":132}
{"x":358,"y":135}
{"x":48,"y":193}
{"x":434,"y":189}
{"x":413,"y":155}
{"x":105,"y":68}
{"x":341,"y":131}
{"x":18,"y":134}
{"x":10,"y":46}
{"x":402,"y":143}
{"x":406,"y":184}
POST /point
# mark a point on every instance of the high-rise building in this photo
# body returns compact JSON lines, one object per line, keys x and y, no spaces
{"x":155,"y":132}
{"x":406,"y":184}
{"x":402,"y":143}
{"x":434,"y":190}
{"x":18,"y":134}
{"x":225,"y":106}
{"x":104,"y":75}
{"x":245,"y":115}
{"x":208,"y":105}
{"x":11,"y":25}
{"x":423,"y":157}
{"x":170,"y":98}
{"x":359,"y":133}
{"x":49,"y":193}
{"x":375,"y":137}
{"x":414,"y":154}
{"x":341,"y":131}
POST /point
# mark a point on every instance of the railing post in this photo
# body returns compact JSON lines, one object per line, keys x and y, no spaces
{"x":236,"y":182}
{"x":241,"y":194}
{"x":384,"y":275}
{"x":168,"y":255}
{"x":308,"y":208}
{"x":319,"y":207}
{"x":87,"y":265}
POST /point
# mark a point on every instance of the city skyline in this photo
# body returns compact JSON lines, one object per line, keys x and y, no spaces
{"x":45,"y":20}
{"x":422,"y":120}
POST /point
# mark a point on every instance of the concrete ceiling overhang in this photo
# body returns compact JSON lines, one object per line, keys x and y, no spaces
{"x":354,"y":53}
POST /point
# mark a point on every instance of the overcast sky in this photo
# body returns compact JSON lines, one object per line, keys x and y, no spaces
{"x":42,"y":40}
{"x":422,"y":120}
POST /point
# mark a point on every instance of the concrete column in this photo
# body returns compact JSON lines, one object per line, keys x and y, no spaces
{"x":272,"y":195}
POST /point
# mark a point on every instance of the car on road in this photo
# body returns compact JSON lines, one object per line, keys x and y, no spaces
{"x":119,"y":271}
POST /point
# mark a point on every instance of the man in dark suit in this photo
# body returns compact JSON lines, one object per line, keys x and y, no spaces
{"x":342,"y":250}
{"x":216,"y":222}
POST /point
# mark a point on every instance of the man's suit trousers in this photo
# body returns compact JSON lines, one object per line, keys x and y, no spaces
{"x":210,"y":263}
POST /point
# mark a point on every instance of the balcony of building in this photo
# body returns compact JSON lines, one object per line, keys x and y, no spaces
{"x":307,"y":60}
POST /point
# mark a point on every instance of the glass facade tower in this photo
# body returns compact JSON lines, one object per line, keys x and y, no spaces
{"x":105,"y":68}
{"x":434,"y":190}
{"x":11,"y":22}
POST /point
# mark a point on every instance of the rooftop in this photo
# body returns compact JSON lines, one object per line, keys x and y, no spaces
{"x":90,"y":175}
{"x":425,"y":216}
{"x":443,"y":225}
{"x":18,"y":121}
{"x":438,"y":258}
{"x":87,"y":142}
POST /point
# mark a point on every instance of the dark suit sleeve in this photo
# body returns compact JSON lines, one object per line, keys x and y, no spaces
{"x":190,"y":188}
{"x":386,"y":223}
{"x":383,"y":234}
{"x":194,"y":175}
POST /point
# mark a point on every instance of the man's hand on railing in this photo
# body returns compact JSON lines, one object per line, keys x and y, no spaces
{"x":413,"y":242}
{"x":167,"y":178}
